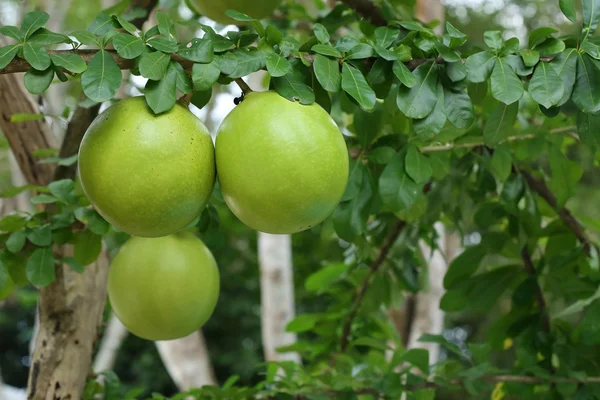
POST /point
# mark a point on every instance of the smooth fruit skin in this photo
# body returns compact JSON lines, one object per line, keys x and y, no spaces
{"x":282,"y":166}
{"x":163,"y":288}
{"x":148,"y":175}
{"x":215,"y":9}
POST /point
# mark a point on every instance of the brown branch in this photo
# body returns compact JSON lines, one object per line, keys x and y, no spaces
{"x":368,"y":10}
{"x":539,"y":296}
{"x":540,"y":187}
{"x":383,"y":253}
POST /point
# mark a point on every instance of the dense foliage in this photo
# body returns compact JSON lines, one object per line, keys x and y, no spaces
{"x":491,"y":140}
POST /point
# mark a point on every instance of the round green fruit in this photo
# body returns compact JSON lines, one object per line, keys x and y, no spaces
{"x":215,"y":9}
{"x":148,"y":175}
{"x":163,"y":288}
{"x":282,"y":166}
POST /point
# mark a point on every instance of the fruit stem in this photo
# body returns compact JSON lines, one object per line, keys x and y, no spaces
{"x":185,"y":99}
{"x":243,"y":85}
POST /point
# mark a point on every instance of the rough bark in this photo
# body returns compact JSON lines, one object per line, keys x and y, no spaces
{"x":187,"y":361}
{"x":277,"y":294}
{"x":110,"y":344}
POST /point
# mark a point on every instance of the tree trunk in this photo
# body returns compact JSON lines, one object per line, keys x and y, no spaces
{"x":112,"y":340}
{"x":277,"y":294}
{"x":431,"y":10}
{"x":187,"y":361}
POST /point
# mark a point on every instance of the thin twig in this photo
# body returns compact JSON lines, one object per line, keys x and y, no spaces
{"x":539,"y":296}
{"x":243,"y":85}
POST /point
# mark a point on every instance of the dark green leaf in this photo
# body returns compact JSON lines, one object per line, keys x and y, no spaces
{"x":345,"y":43}
{"x":355,"y":84}
{"x":592,"y":49}
{"x":102,"y":78}
{"x":220,"y":43}
{"x":201,"y":50}
{"x":292,"y":87}
{"x":128,"y":26}
{"x":367,"y":125}
{"x":326,"y":50}
{"x":385,"y":36}
{"x":568,"y":9}
{"x":565,"y":175}
{"x":166,"y":27}
{"x":539,"y":35}
{"x":323,"y":278}
{"x":459,"y":109}
{"x":161,"y":95}
{"x":386,"y":54}
{"x":360,"y":51}
{"x":128,"y":46}
{"x":184,"y":82}
{"x":205,"y":75}
{"x":586,"y":92}
{"x":327,"y":72}
{"x":404,"y":75}
{"x":565,"y":65}
{"x":464,"y":266}
{"x":381,"y":155}
{"x":493,"y":39}
{"x":517,"y":65}
{"x":511,"y":46}
{"x":36,"y":82}
{"x":43,"y":199}
{"x":12,"y":31}
{"x":302,"y":323}
{"x":37,"y":56}
{"x":397,"y":190}
{"x":87,"y":247}
{"x":479,"y":66}
{"x":243,"y":62}
{"x":70,"y":62}
{"x":419,"y":101}
{"x":350,"y":218}
{"x":413,"y":26}
{"x":550,"y":47}
{"x":500,"y":124}
{"x":457,"y":38}
{"x":164,"y":45}
{"x":588,"y":128}
{"x":417,"y":357}
{"x":7,"y":53}
{"x":16,"y":241}
{"x":530,"y":57}
{"x":506,"y":85}
{"x":432,"y":124}
{"x":32,"y":22}
{"x":85,"y":37}
{"x":40,"y":236}
{"x":274,"y":36}
{"x":154,"y":65}
{"x":62,"y":190}
{"x":45,"y":37}
{"x":501,"y":163}
{"x":447,"y":53}
{"x":12,"y":222}
{"x":102,"y":25}
{"x":403,"y":53}
{"x":417,"y":165}
{"x":40,"y":267}
{"x":321,"y":33}
{"x":545,"y":86}
{"x":277,"y":65}
{"x":238,"y":16}
{"x":201,"y":98}
{"x":591,"y":16}
{"x":73,"y":264}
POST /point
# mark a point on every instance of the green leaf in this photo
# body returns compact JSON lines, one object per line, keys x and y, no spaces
{"x":457,"y":38}
{"x":435,"y":121}
{"x":12,"y":223}
{"x":367,"y":125}
{"x":385,"y":36}
{"x":326,"y":50}
{"x":539,"y":35}
{"x":323,"y":278}
{"x":40,"y":267}
{"x":447,"y":53}
{"x":62,"y":190}
{"x":201,"y":98}
{"x":327,"y":72}
{"x":321,"y":33}
{"x":530,"y":57}
{"x":45,"y":37}
{"x":277,"y":65}
{"x":16,"y":241}
{"x":501,"y":163}
{"x":154,"y":65}
{"x":7,"y":53}
{"x":40,"y":236}
{"x":506,"y":85}
{"x":184,"y":82}
{"x":464,"y":265}
{"x":128,"y":26}
{"x":545,"y":86}
{"x":128,"y":46}
{"x":37,"y":56}
{"x":564,"y":176}
{"x":493,"y":39}
{"x":87,"y":247}
{"x":459,"y":109}
{"x":166,"y":27}
{"x":355,"y":84}
{"x":417,"y":357}
{"x":397,"y":190}
{"x":161,"y":95}
{"x":360,"y":51}
{"x":302,"y":323}
{"x":419,"y":101}
{"x":592,"y":49}
{"x":568,"y":9}
{"x":32,"y":22}
{"x":200,"y":50}
{"x":70,"y":62}
{"x":43,"y":199}
{"x":500,"y":124}
{"x":403,"y":53}
{"x":243,"y":62}
{"x":588,"y":128}
{"x":102,"y":24}
{"x":164,"y":45}
{"x":565,"y":65}
{"x":586,"y":92}
{"x":381,"y":155}
{"x":273,"y":35}
{"x":12,"y":31}
{"x":292,"y":87}
{"x":102,"y":78}
{"x":85,"y":37}
{"x":550,"y":47}
{"x":479,"y":66}
{"x":404,"y":75}
{"x":36,"y":82}
{"x":591,"y":16}
{"x":204,"y":76}
{"x":417,"y":165}
{"x":350,"y":218}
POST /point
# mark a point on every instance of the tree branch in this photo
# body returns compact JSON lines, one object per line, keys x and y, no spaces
{"x":383,"y":253}
{"x":540,"y":187}
{"x":539,"y":295}
{"x":368,"y":10}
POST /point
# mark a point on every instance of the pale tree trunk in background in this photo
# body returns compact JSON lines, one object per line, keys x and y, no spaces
{"x":431,"y":10}
{"x":187,"y":361}
{"x":111,"y":342}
